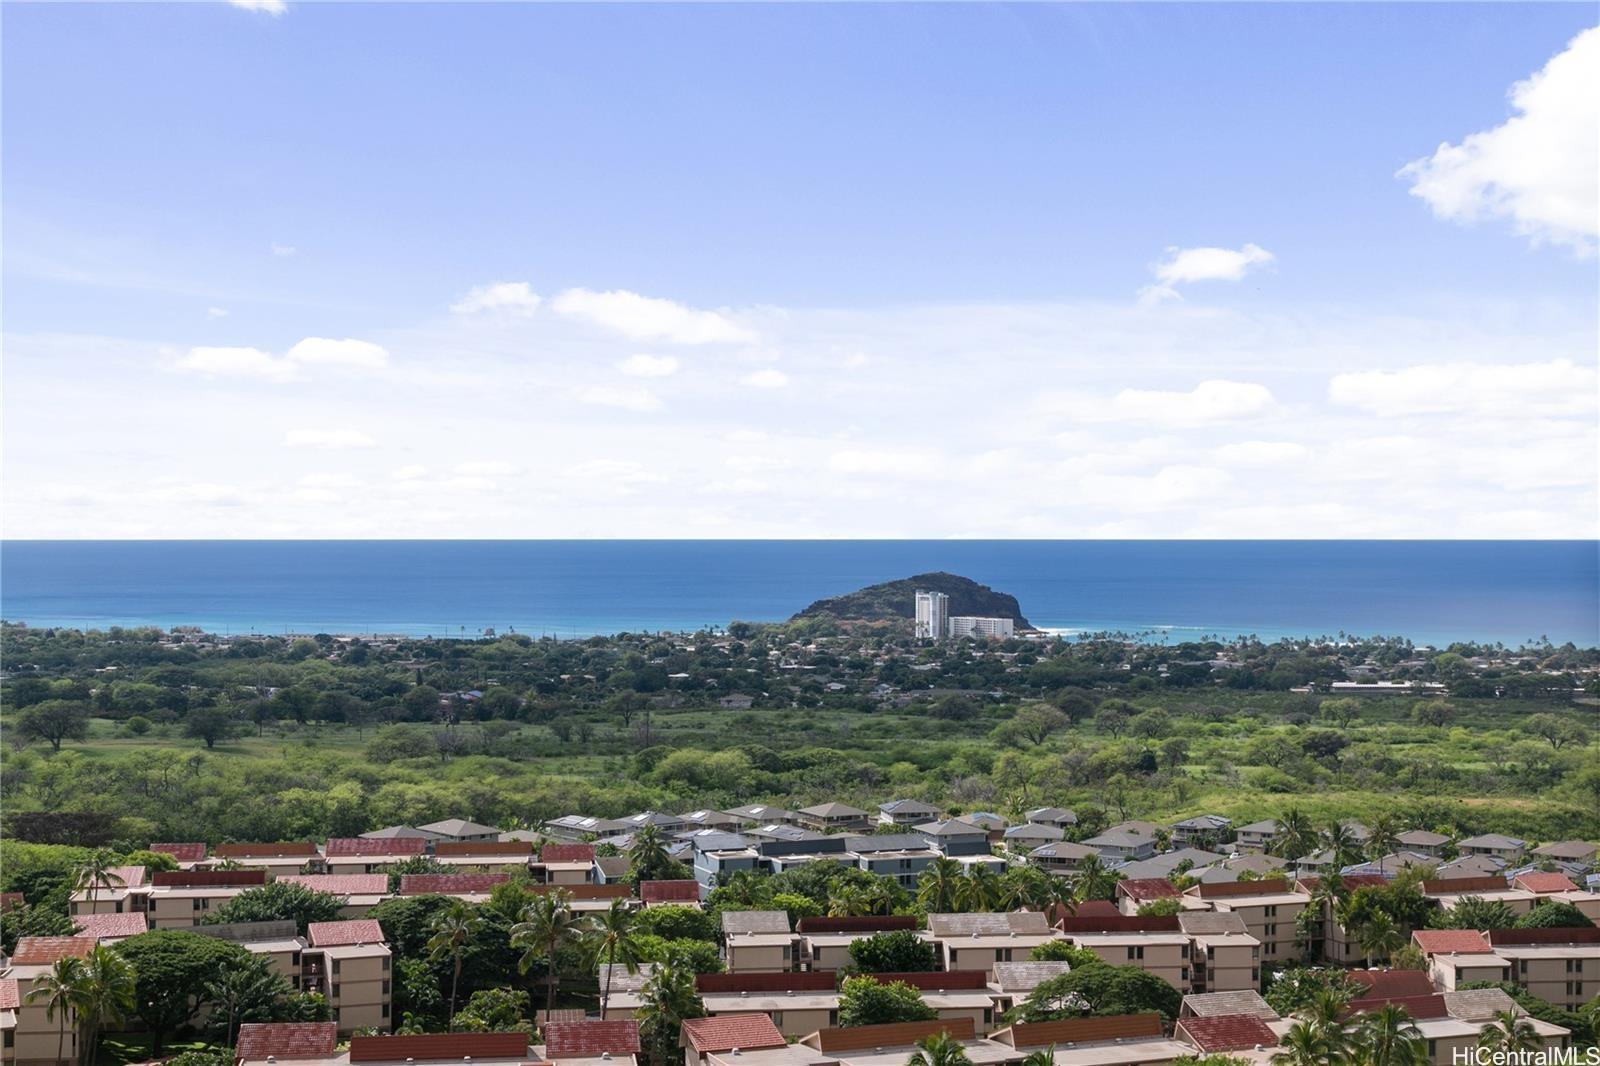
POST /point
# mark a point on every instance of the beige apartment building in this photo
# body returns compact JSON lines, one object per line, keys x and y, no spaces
{"x":1560,"y":966}
{"x":182,"y":899}
{"x":32,"y":1037}
{"x":797,"y":1003}
{"x":1270,"y":909}
{"x":124,"y":891}
{"x":281,"y":857}
{"x":825,"y":942}
{"x":1460,"y":956}
{"x":350,"y":964}
{"x":980,"y":941}
{"x":1223,"y":956}
{"x":758,"y":942}
{"x":1156,"y":945}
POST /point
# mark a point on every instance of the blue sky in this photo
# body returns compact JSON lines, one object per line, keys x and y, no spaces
{"x":899,"y":215}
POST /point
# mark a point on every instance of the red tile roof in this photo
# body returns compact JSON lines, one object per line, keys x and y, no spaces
{"x":1543,"y":882}
{"x":181,"y":852}
{"x":1089,"y":908}
{"x":1086,"y":1030}
{"x":1419,"y":1007}
{"x":726,"y":983}
{"x":359,"y":846}
{"x":567,"y":853}
{"x":279,"y":850}
{"x":503,"y":849}
{"x":1143,"y":889}
{"x":589,"y":1039}
{"x":457,"y":1046}
{"x":1585,"y":934}
{"x":11,"y":899}
{"x":286,"y":1040}
{"x":1451,"y":942}
{"x":670,"y":891}
{"x":210,"y":878}
{"x":1227,"y":1032}
{"x":10,"y":995}
{"x":1350,"y":882}
{"x":728,"y":1031}
{"x":1120,"y":923}
{"x":341,"y":884}
{"x":340,"y":934}
{"x":1267,"y":886}
{"x":1392,"y":982}
{"x":45,"y":950}
{"x":449,"y":884}
{"x":1463,"y":886}
{"x":891,"y":1034}
{"x":111,"y":926}
{"x":935,"y":980}
{"x":856,"y":924}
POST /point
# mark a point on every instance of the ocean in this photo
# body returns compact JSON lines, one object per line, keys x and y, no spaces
{"x":1433,"y":592}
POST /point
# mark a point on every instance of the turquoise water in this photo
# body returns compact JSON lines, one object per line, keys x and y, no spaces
{"x":1432,"y":592}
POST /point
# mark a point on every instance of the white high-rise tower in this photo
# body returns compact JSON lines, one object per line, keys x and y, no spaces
{"x":933,"y":615}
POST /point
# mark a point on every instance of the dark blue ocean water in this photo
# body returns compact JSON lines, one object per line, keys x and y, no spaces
{"x":1432,"y":592}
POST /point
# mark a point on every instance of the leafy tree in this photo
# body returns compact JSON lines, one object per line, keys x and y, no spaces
{"x":452,"y":928}
{"x":1293,"y":990}
{"x":28,"y":920}
{"x":53,"y":721}
{"x":416,"y":992}
{"x":209,"y":724}
{"x":495,"y":1010}
{"x":1063,"y":951}
{"x":897,"y":951}
{"x":1552,"y":914}
{"x":1100,"y":989}
{"x":1305,"y":1044}
{"x":1475,"y":912}
{"x":280,"y":901}
{"x":248,"y":992}
{"x":171,"y":969}
{"x":865,"y":1001}
{"x":674,"y":922}
{"x":1435,"y":713}
{"x":650,"y":860}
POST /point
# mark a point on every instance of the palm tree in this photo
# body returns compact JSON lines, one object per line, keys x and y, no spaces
{"x":848,"y":901}
{"x":236,"y":987}
{"x":108,"y":995}
{"x":979,"y":890}
{"x":98,"y":871}
{"x":452,"y":928}
{"x":939,"y":1050}
{"x":1379,"y":936}
{"x":613,"y":938}
{"x":548,"y":924}
{"x":1296,"y":837}
{"x":1059,"y":891}
{"x":63,"y":988}
{"x":938,"y":885}
{"x":1304,"y":1045}
{"x":1095,"y":881}
{"x":1389,"y":1037}
{"x":1341,"y":844}
{"x":1510,"y":1032}
{"x":665,"y":1001}
{"x":1382,"y":839}
{"x":648,"y":855}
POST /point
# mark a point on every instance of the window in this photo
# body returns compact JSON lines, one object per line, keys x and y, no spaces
{"x":335,"y":993}
{"x":196,"y":904}
{"x":1272,"y":911}
{"x":386,"y":1010}
{"x":386,"y":987}
{"x":336,"y":967}
{"x":386,"y":962}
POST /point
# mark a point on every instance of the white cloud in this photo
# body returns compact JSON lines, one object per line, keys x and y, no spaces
{"x":1209,"y":401}
{"x":205,"y":493}
{"x":282,"y":250}
{"x":321,"y":351}
{"x":649,"y":366}
{"x":328,"y":438}
{"x":885,"y":462}
{"x":627,"y":399}
{"x":646,"y":318}
{"x":216,"y":312}
{"x":1168,"y":487}
{"x":1553,"y":389}
{"x":1540,"y":168}
{"x":269,"y":7}
{"x":510,"y":297}
{"x":236,"y":363}
{"x":485,"y":468}
{"x":1185,"y":265}
{"x":1261,"y":453}
{"x":765,"y":379}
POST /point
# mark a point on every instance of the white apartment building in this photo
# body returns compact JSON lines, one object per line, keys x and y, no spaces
{"x":933,"y":615}
{"x":963,"y":625}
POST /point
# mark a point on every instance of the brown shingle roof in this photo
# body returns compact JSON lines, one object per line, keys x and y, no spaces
{"x":1543,"y":882}
{"x":439,"y":1046}
{"x":1224,"y":889}
{"x":286,"y":1040}
{"x":1392,"y":982}
{"x":1451,"y":942}
{"x":587,"y":1039}
{"x":879,"y":923}
{"x":340,"y":934}
{"x":1561,"y":935}
{"x":670,"y":891}
{"x":1120,"y":923}
{"x":210,"y":878}
{"x":1227,"y":1032}
{"x":10,"y":994}
{"x":567,"y":853}
{"x":807,"y":981}
{"x":728,"y":1031}
{"x":181,"y":852}
{"x":1463,"y":886}
{"x":1142,"y":889}
{"x":487,"y":848}
{"x":892,"y":1034}
{"x":449,"y":884}
{"x":280,"y":850}
{"x":358,"y":846}
{"x":1419,"y":1007}
{"x":1085,"y":1030}
{"x":45,"y":950}
{"x":111,"y":926}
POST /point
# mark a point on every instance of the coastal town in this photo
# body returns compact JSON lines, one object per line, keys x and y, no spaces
{"x":920,"y":928}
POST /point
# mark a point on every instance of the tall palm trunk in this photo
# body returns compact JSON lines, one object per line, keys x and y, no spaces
{"x":550,"y":984}
{"x":455,"y":980}
{"x":611,"y":965}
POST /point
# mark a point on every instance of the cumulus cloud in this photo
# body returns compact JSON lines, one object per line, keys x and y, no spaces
{"x":1262,"y":453}
{"x":328,"y":438}
{"x":1183,"y":266}
{"x":627,"y":399}
{"x":885,"y":462}
{"x":321,"y":351}
{"x":267,"y":7}
{"x":216,"y":312}
{"x":647,"y":318}
{"x":507,"y":297}
{"x":649,"y":366}
{"x":282,"y":250}
{"x":765,"y":379}
{"x":1209,"y":401}
{"x":1168,"y":487}
{"x":1556,"y":388}
{"x":1540,"y":169}
{"x":237,"y":363}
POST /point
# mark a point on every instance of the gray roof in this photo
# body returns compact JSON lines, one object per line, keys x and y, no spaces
{"x":866,"y":845}
{"x":1144,"y":829}
{"x":1164,"y":864}
{"x":783,"y":832}
{"x":1492,"y":840}
{"x":1230,"y":869}
{"x":399,"y":832}
{"x":1002,"y":924}
{"x":459,"y":827}
{"x":622,"y":980}
{"x":1204,"y":822}
{"x":1478,"y":1004}
{"x":951,"y":827}
{"x":755,"y":922}
{"x":834,"y":810}
{"x":1266,"y":825}
{"x":1052,"y":814}
{"x":1063,"y":849}
{"x":1214,"y":1004}
{"x":760,"y":812}
{"x":644,"y":818}
{"x":1566,"y":849}
{"x":1118,"y":838}
{"x":613,"y":865}
{"x":908,"y":806}
{"x":1422,"y":838}
{"x":715,"y":840}
{"x":1035,"y":831}
{"x":1216,"y":923}
{"x":1471,"y":866}
{"x":1026,"y":976}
